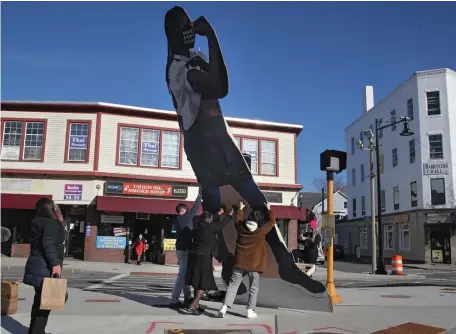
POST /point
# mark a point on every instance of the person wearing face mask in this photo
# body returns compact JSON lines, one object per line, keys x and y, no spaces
{"x":196,"y":86}
{"x":139,"y":246}
{"x":249,"y":256}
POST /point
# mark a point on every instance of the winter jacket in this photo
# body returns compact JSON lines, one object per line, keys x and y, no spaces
{"x":250,"y":254}
{"x":184,"y":226}
{"x":47,"y":247}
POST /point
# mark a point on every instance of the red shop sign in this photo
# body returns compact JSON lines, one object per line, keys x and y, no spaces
{"x":147,"y":189}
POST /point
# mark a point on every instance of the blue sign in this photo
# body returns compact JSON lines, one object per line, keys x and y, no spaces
{"x":111,"y":242}
{"x":72,"y":197}
{"x":78,"y":142}
{"x":150,"y":148}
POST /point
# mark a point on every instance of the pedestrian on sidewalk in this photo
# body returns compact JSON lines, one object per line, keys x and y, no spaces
{"x":47,"y":239}
{"x":249,"y":256}
{"x":199,"y":270}
{"x":184,"y":227}
{"x":140,"y":247}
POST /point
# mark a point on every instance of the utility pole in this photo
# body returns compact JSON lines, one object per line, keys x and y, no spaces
{"x":372,"y":198}
{"x":335,"y":298}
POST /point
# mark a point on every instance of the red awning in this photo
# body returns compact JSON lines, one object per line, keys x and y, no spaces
{"x":140,"y":205}
{"x":21,"y":201}
{"x":289,"y":212}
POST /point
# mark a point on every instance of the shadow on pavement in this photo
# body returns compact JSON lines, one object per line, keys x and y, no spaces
{"x":13,"y":326}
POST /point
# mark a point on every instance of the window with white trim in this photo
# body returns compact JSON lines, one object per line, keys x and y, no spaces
{"x":383,"y":200}
{"x":433,"y":103}
{"x":268,"y":157}
{"x":363,"y":206}
{"x":396,"y":197}
{"x":388,"y":237}
{"x":435,"y":147}
{"x":363,"y":238}
{"x":145,"y":147}
{"x":404,"y":237}
{"x":412,"y":155}
{"x":23,"y":143}
{"x":410,"y":108}
{"x":250,"y":146}
{"x":414,"y":194}
{"x":263,"y":153}
{"x":78,"y":142}
{"x":438,"y":191}
{"x":394,"y":158}
{"x":128,"y":149}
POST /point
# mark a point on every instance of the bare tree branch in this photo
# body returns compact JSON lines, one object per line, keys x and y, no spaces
{"x":339,"y":183}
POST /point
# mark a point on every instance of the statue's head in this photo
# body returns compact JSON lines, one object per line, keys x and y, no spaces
{"x":179,"y":29}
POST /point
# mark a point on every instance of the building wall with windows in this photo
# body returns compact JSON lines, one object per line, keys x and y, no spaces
{"x":100,"y":161}
{"x":417,"y":172}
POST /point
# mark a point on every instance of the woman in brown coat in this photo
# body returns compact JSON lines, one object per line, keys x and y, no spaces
{"x":249,"y":257}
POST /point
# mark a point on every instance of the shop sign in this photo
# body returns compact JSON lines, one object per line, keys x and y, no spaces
{"x":112,"y":219}
{"x":273,"y":197}
{"x":16,"y":185}
{"x":436,"y":168}
{"x":111,"y":242}
{"x":169,"y":244}
{"x":78,"y":142}
{"x":144,"y":189}
{"x":10,"y":152}
{"x":72,"y":192}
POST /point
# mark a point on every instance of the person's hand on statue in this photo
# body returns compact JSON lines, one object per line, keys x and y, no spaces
{"x":202,"y":27}
{"x":241,"y":205}
{"x":268,"y":206}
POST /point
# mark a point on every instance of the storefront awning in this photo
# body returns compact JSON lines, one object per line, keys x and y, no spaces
{"x":289,"y":212}
{"x":140,"y":205}
{"x":21,"y":201}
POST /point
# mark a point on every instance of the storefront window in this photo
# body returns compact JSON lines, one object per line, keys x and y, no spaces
{"x":282,"y":224}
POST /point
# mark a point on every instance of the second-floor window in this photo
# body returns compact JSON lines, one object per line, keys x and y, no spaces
{"x":263,"y":154}
{"x":353,"y":177}
{"x":78,"y":141}
{"x":410,"y":108}
{"x":412,"y":151}
{"x":23,"y":140}
{"x":362,"y":173}
{"x":438,"y":191}
{"x":396,"y":198}
{"x":433,"y":103}
{"x":363,"y":206}
{"x":354,"y":207}
{"x":379,"y":124}
{"x":148,"y":147}
{"x":394,"y":157}
{"x":435,"y":146}
{"x":383,"y":200}
{"x":414,"y":194}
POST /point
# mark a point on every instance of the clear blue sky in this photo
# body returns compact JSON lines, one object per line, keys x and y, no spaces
{"x":304,"y":63}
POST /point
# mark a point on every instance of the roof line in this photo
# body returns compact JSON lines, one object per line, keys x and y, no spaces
{"x":163,"y":112}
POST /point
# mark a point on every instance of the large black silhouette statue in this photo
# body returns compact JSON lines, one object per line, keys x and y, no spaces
{"x":196,"y":86}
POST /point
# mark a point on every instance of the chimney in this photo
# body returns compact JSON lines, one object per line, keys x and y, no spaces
{"x":368,"y":98}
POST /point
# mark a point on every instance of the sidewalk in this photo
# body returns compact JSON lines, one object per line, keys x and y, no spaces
{"x":90,"y":312}
{"x":429,"y":266}
{"x":155,"y":269}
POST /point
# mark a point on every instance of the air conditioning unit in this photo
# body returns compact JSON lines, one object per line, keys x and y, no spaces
{"x":142,"y":216}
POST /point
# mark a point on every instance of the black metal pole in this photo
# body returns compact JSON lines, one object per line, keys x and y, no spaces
{"x":380,"y":264}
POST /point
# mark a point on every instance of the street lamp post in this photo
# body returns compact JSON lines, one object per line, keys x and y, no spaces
{"x":405,"y":132}
{"x":371,"y":150}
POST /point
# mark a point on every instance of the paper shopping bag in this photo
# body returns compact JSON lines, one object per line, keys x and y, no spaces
{"x":53,"y":294}
{"x":9,"y":297}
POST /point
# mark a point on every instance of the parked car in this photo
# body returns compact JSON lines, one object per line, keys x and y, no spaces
{"x":339,"y":252}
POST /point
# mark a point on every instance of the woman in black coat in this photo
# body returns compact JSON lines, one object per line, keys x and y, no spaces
{"x":200,"y":273}
{"x":47,"y":239}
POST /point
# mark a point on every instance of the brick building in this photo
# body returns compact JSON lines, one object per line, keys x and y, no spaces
{"x":119,"y":171}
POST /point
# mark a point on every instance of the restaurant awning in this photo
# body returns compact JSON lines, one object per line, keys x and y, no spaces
{"x":21,"y":201}
{"x":140,"y":205}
